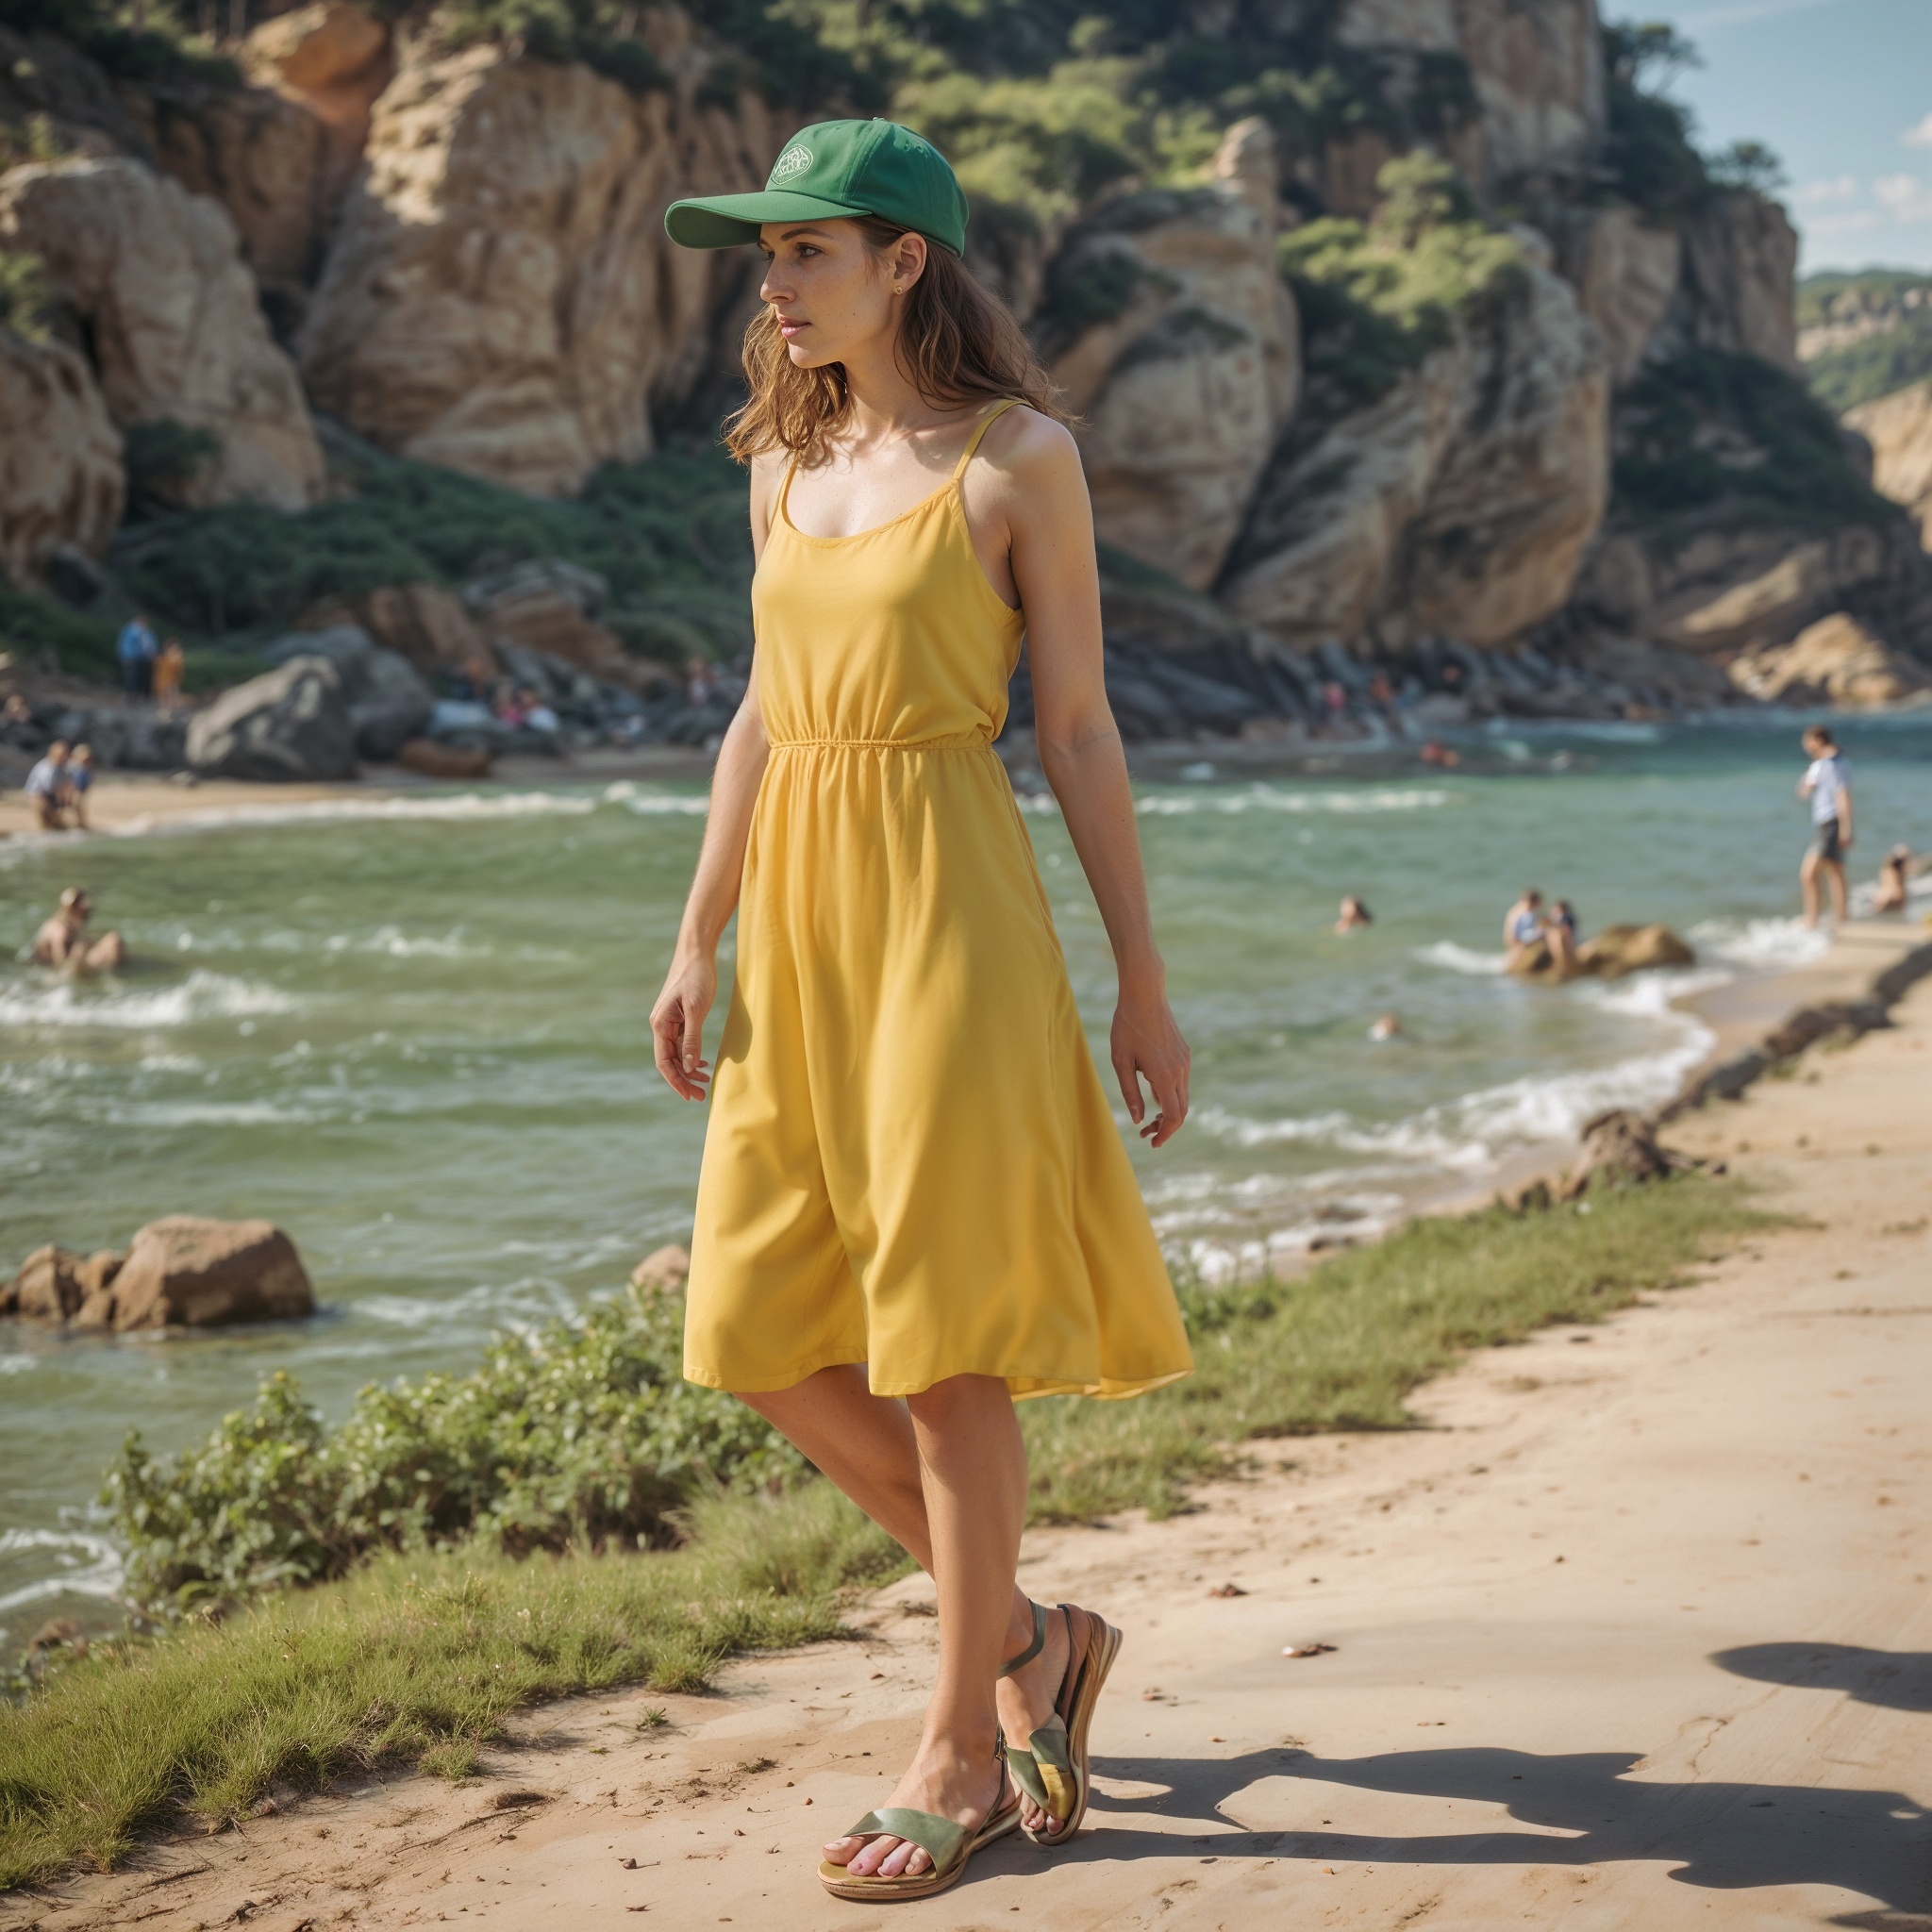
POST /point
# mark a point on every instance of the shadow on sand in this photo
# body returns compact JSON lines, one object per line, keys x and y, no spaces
{"x":1580,"y":1809}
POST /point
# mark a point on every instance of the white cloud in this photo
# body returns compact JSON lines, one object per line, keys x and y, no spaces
{"x":1816,"y":194}
{"x":1858,"y":221}
{"x":1905,"y":197}
{"x":1919,"y":133}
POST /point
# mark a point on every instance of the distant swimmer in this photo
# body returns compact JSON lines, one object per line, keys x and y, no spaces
{"x":63,"y":940}
{"x":1894,"y":873}
{"x":1827,"y":783}
{"x":1354,"y":913}
{"x":1387,"y":1027}
{"x":1559,"y":931}
{"x":1523,"y":926}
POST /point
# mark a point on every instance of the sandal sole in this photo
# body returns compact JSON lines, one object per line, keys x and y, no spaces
{"x":928,"y":1883}
{"x":1103,"y":1647}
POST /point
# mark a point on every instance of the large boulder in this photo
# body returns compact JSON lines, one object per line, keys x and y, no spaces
{"x":1460,"y":503}
{"x":186,"y":1272}
{"x":1537,"y":71}
{"x":1625,"y":266}
{"x":1719,"y":586}
{"x":388,"y":704}
{"x":171,"y":316}
{"x":1738,"y":289}
{"x":427,"y":624}
{"x":1834,"y":662}
{"x":1898,"y":427}
{"x":550,"y":604}
{"x":1184,"y":388}
{"x":501,"y":297}
{"x":332,"y":57}
{"x":1618,"y":951}
{"x":61,"y":477}
{"x":291,"y":724}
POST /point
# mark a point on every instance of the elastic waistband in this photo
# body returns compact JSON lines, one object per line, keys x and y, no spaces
{"x":970,"y":740}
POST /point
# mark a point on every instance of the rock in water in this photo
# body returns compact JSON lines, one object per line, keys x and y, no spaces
{"x":1620,"y":950}
{"x":291,"y":724}
{"x":48,"y":1289}
{"x":61,"y":480}
{"x":1620,"y":1149}
{"x":661,"y":1270}
{"x":156,"y":277}
{"x":187,"y":1272}
{"x":1835,"y":661}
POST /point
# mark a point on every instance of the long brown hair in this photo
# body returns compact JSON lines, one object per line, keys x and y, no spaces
{"x":958,"y":344}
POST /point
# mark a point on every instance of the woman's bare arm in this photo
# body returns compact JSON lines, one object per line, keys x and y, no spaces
{"x":677,"y":1020}
{"x":1035,"y":484}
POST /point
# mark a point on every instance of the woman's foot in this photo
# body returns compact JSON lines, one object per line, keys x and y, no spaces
{"x":963,"y":1787}
{"x":1027,"y":1699}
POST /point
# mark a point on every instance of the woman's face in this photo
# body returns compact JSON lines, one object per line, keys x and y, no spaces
{"x":833,"y":296}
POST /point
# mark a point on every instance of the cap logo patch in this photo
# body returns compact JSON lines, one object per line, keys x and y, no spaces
{"x":794,"y":160}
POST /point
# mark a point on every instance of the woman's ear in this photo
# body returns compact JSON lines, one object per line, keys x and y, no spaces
{"x":908,"y":262}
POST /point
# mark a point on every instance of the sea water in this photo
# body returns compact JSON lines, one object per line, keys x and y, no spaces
{"x":414,"y":1033}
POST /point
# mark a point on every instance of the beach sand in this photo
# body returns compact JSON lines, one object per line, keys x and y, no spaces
{"x":1635,"y":1633}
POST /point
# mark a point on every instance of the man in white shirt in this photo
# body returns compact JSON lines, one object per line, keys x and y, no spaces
{"x":47,"y":787}
{"x":1827,"y":783}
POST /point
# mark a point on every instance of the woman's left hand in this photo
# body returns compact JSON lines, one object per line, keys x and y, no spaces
{"x":1146,"y":1043}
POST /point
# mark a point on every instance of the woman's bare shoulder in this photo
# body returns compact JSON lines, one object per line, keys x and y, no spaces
{"x":1031,"y":451}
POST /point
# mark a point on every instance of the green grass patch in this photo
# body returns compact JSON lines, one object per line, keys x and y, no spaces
{"x":414,"y":1661}
{"x":416,"y":1655}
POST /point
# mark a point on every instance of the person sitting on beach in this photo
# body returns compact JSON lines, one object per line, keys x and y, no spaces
{"x":1560,"y":930}
{"x":1894,"y":873}
{"x":509,"y":707}
{"x":1523,"y":926}
{"x":169,"y":662}
{"x":46,"y":788}
{"x":1827,"y":783}
{"x":1354,"y":913}
{"x":63,"y":940}
{"x":538,"y":716}
{"x":80,"y":778}
{"x":1436,"y":753}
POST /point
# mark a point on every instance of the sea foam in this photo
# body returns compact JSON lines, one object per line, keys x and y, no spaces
{"x":203,"y":995}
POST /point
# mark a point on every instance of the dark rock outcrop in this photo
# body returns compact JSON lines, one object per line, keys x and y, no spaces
{"x":291,"y":724}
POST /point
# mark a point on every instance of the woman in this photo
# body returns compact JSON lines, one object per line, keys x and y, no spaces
{"x":915,"y":1205}
{"x":1893,"y":889}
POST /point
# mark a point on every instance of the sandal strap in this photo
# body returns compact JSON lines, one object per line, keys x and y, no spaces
{"x":938,"y":1837}
{"x":1033,"y":1649}
{"x":1048,"y":1745}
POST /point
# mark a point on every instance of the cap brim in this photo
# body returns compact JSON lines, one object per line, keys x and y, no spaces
{"x":729,"y":220}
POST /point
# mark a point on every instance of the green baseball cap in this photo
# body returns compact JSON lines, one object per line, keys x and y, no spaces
{"x":831,"y":171}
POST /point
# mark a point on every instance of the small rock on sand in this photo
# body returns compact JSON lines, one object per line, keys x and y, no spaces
{"x":662,"y":1270}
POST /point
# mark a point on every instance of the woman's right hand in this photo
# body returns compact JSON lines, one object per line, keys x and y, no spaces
{"x":677,"y":1024}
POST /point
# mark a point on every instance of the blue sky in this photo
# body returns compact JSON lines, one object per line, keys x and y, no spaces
{"x":1841,"y":90}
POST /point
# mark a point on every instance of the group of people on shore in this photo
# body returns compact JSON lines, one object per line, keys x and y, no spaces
{"x":1530,"y":924}
{"x":150,"y":667}
{"x":57,"y":785}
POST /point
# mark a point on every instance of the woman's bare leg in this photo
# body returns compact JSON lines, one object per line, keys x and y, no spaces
{"x":869,"y":1446}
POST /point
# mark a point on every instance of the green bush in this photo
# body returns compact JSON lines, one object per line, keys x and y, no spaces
{"x":1711,"y":427}
{"x":1377,"y":296}
{"x":669,"y":533}
{"x":584,"y":1436}
{"x":165,"y":459}
{"x":82,"y":646}
{"x":28,"y":305}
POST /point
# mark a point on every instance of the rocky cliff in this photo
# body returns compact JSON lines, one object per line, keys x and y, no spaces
{"x":1324,"y":384}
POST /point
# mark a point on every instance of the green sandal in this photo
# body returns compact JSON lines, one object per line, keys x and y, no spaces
{"x":1053,"y":1768}
{"x":947,"y":1844}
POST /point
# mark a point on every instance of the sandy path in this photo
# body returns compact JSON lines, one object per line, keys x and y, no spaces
{"x":1636,"y":1634}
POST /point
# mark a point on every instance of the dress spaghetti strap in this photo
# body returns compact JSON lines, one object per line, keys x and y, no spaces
{"x":972,"y":449}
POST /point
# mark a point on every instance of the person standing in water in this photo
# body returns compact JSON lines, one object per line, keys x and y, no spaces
{"x":914,"y":1205}
{"x":1827,"y":783}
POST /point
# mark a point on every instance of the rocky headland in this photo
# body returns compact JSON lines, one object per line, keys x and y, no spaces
{"x":1431,"y":375}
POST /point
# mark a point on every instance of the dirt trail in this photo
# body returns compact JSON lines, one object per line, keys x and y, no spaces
{"x":1637,"y":1635}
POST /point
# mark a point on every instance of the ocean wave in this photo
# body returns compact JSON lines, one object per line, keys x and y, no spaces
{"x":651,"y":803}
{"x":1761,"y":942}
{"x":1454,"y":959}
{"x":18,"y":1364}
{"x":203,"y":995}
{"x":1270,"y":798}
{"x":88,"y":1565}
{"x":459,"y":807}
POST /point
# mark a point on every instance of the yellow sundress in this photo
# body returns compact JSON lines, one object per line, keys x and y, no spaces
{"x":909,"y":1161}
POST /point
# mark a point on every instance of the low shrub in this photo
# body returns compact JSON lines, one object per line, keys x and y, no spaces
{"x":584,"y":1436}
{"x":30,"y":626}
{"x":1711,"y":427}
{"x":1377,"y":296}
